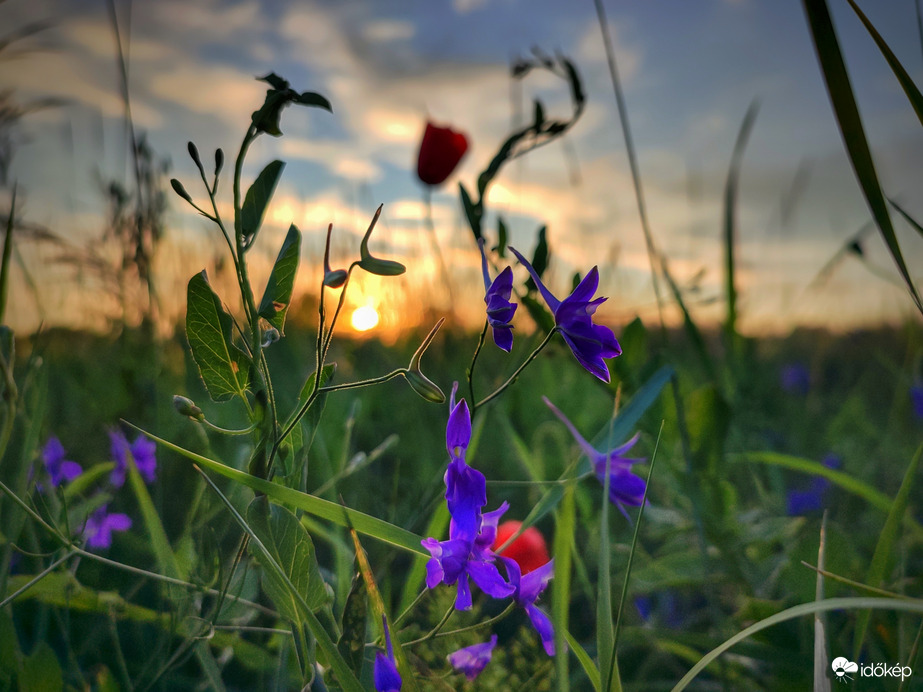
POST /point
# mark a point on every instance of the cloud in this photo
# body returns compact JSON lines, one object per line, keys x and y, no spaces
{"x":387,"y":30}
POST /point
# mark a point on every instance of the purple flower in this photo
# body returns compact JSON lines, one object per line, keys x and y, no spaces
{"x":142,"y":453}
{"x":467,"y":553}
{"x":625,"y":488}
{"x":387,"y":679}
{"x":473,"y":659}
{"x":59,"y":469}
{"x":916,"y":398}
{"x":500,"y":310}
{"x":795,"y":378}
{"x":811,"y":499}
{"x":100,"y":525}
{"x":590,"y":343}
{"x":528,"y":588}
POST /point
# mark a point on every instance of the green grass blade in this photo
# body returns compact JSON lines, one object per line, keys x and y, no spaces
{"x":160,"y":544}
{"x":793,"y":613}
{"x":912,"y":221}
{"x":913,"y":94}
{"x":605,"y":629}
{"x":850,"y":124}
{"x":588,"y":667}
{"x":563,"y":547}
{"x":821,"y":662}
{"x":7,"y":253}
{"x":844,"y":480}
{"x":335,"y":660}
{"x":730,"y":233}
{"x":363,"y":523}
{"x":889,"y":534}
{"x":613,"y":682}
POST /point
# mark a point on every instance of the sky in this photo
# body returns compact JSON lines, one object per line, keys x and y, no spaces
{"x":690,"y":70}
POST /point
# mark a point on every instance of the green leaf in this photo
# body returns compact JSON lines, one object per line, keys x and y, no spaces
{"x":882,"y":556}
{"x":340,"y":668}
{"x":291,"y":548}
{"x":539,"y":258}
{"x":351,"y":644}
{"x":473,"y":212}
{"x":278,"y":293}
{"x":502,"y":234}
{"x":846,"y":481}
{"x":337,"y":514}
{"x":41,"y":670}
{"x":256,"y":200}
{"x":539,"y":313}
{"x":585,"y":661}
{"x":730,"y":233}
{"x":563,"y":547}
{"x":850,"y":123}
{"x":825,"y":606}
{"x":310,"y":98}
{"x":913,"y":94}
{"x":160,"y":544}
{"x":222,"y":366}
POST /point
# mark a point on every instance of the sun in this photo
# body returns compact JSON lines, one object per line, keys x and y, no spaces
{"x":364,"y":318}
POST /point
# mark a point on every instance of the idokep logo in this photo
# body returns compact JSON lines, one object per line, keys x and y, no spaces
{"x":842,"y":667}
{"x":844,"y":670}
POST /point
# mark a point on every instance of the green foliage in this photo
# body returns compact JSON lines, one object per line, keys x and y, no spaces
{"x":278,"y":293}
{"x":256,"y":201}
{"x":222,"y":366}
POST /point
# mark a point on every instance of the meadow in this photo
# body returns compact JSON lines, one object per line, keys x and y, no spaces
{"x":262,"y":501}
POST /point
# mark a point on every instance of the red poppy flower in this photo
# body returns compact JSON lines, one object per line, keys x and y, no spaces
{"x":529,"y":550}
{"x":440,"y":151}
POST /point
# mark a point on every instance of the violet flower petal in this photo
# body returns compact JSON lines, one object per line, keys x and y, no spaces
{"x":471,"y":660}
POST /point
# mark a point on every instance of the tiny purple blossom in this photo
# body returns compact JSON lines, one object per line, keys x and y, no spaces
{"x":916,"y":398}
{"x":59,"y":469}
{"x":528,"y":588}
{"x":590,"y":343}
{"x":142,"y":453}
{"x":625,"y":488}
{"x":100,"y":525}
{"x":795,"y":378}
{"x":500,"y":310}
{"x":471,"y":660}
{"x":812,"y":498}
{"x":467,"y":553}
{"x":387,"y":679}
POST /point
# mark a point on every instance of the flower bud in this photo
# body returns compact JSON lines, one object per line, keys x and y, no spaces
{"x":180,"y":190}
{"x":421,"y":384}
{"x":219,"y":160}
{"x":424,"y":387}
{"x":186,"y":407}
{"x":194,"y":154}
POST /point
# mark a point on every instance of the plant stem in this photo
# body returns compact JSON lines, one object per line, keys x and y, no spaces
{"x":474,"y":360}
{"x":515,"y":375}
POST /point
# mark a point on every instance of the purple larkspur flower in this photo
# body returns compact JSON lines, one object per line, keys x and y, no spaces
{"x":811,"y":499}
{"x":142,"y":453}
{"x":625,"y":488}
{"x":528,"y":588}
{"x":500,"y":310}
{"x":59,"y":469}
{"x":590,"y":343}
{"x":100,"y":525}
{"x":387,"y":679}
{"x":467,"y":553}
{"x":795,"y":378}
{"x":471,"y":660}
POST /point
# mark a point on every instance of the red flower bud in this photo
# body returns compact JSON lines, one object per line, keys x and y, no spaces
{"x":440,"y":151}
{"x":529,"y":550}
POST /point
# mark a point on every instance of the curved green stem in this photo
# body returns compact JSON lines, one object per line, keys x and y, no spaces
{"x":433,"y":632}
{"x":481,"y":625}
{"x":225,"y":431}
{"x":474,"y":360}
{"x":363,"y":383}
{"x":515,"y":375}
